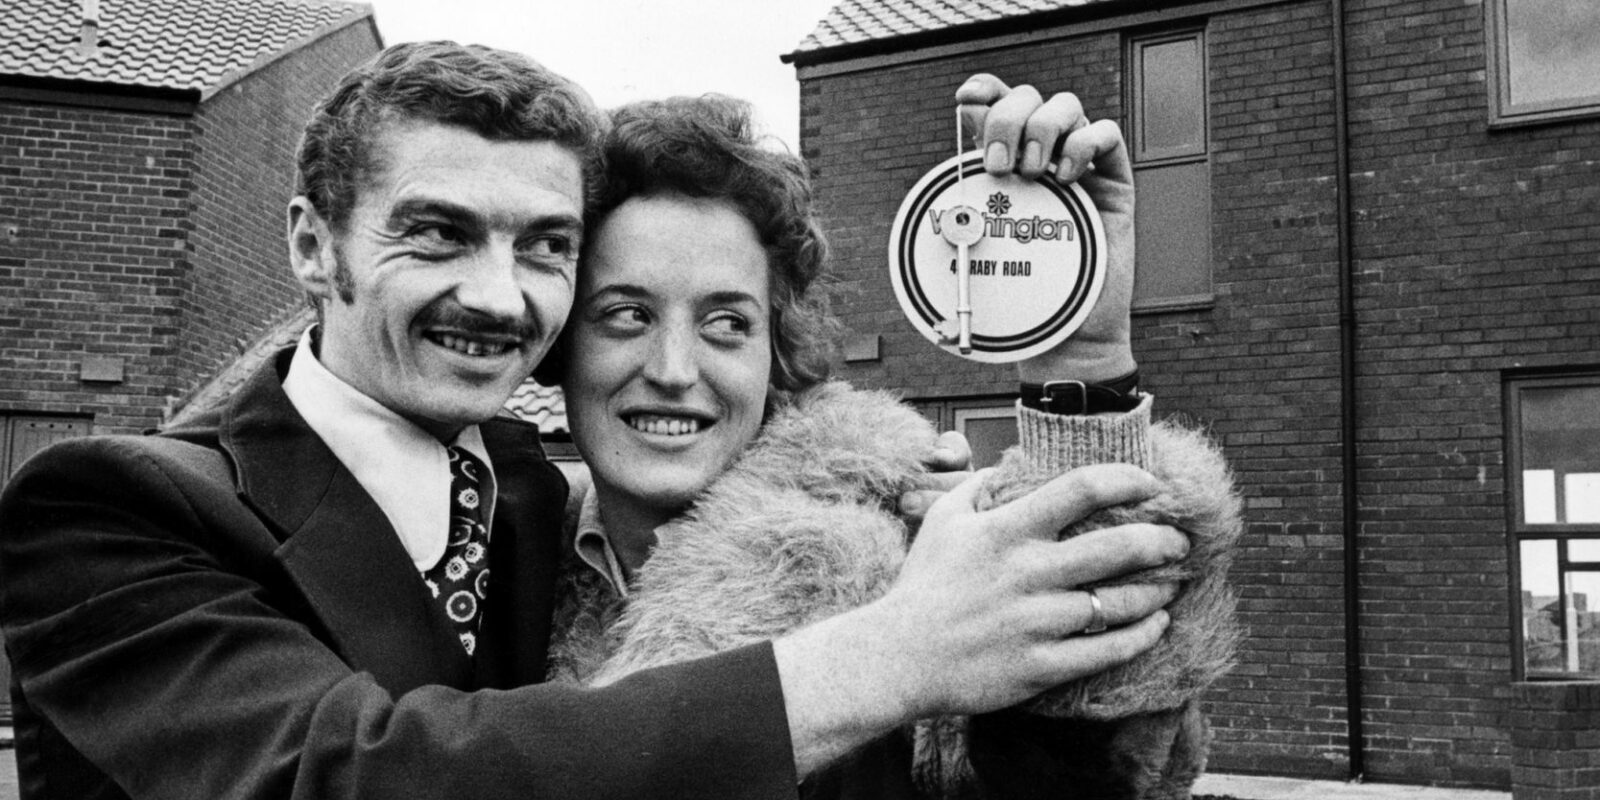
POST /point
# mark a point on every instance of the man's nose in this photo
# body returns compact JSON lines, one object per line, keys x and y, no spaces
{"x":673,"y":364}
{"x":488,"y":283}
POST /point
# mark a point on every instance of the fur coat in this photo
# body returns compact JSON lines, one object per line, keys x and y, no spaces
{"x":802,"y":527}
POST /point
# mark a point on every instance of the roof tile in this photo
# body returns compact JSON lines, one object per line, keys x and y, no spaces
{"x":853,"y":21}
{"x":171,"y":44}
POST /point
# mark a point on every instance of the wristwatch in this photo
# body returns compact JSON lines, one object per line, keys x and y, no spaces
{"x":1078,"y":398}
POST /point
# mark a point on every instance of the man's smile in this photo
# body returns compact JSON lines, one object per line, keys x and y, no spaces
{"x":473,"y":346}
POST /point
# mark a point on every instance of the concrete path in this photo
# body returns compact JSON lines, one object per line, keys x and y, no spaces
{"x":8,"y":770}
{"x":1254,"y":787}
{"x":1244,"y":787}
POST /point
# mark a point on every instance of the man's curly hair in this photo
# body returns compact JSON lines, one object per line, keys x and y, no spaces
{"x":497,"y":94}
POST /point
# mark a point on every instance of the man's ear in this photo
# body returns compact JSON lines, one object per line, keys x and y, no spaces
{"x":311,"y":249}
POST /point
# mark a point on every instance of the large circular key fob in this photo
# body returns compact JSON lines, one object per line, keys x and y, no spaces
{"x":995,"y":269}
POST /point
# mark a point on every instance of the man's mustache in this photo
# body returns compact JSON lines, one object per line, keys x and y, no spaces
{"x":448,"y":314}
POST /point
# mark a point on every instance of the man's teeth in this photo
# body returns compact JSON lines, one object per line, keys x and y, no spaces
{"x":471,"y":347}
{"x":664,"y":426}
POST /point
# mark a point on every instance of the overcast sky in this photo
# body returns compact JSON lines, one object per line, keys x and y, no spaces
{"x":622,"y":50}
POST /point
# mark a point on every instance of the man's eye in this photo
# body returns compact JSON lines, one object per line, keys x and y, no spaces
{"x":551,"y":247}
{"x":436,"y":234}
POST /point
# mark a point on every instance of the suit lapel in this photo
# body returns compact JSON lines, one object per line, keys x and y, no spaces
{"x":524,"y":556}
{"x":337,"y":545}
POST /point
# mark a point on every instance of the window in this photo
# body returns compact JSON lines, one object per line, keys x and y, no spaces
{"x":21,"y":436}
{"x":1553,"y":482}
{"x":1545,"y":56}
{"x":990,"y":424}
{"x":1167,"y":131}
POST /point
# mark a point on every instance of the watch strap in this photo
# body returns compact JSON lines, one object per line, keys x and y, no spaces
{"x":1077,"y":397}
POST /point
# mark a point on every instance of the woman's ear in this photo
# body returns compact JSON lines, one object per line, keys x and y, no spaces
{"x":776,"y":399}
{"x":311,"y":253}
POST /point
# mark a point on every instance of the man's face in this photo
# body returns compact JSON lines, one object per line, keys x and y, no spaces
{"x":453,"y":275}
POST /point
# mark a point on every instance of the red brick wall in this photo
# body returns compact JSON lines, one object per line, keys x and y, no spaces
{"x":1475,"y":251}
{"x":1261,"y":368}
{"x":1555,"y":731}
{"x":91,"y":206}
{"x":1478,"y":251}
{"x":1261,"y":373}
{"x":240,"y":282}
{"x":869,"y":137}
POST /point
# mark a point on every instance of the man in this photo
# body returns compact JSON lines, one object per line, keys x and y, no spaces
{"x":284,"y":599}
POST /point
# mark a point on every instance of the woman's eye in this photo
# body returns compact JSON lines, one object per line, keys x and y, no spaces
{"x":625,"y":318}
{"x":728,"y":325}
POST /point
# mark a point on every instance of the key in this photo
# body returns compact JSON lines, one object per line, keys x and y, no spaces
{"x":962,"y":226}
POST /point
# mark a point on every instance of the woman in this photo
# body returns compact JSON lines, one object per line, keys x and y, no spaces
{"x":738,"y":494}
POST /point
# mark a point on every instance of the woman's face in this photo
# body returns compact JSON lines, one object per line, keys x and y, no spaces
{"x":670,"y":347}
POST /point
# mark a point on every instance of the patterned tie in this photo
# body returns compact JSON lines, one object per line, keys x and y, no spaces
{"x":461,"y":578}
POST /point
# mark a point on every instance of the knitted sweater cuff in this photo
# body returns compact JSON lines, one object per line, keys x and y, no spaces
{"x":1056,"y":443}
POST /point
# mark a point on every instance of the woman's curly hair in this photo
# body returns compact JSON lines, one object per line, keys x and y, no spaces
{"x":706,"y":147}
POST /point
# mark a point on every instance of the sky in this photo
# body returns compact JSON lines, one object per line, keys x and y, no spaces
{"x":623,"y":50}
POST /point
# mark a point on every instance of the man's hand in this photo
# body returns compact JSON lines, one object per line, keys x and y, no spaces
{"x":986,"y":613}
{"x":1024,"y":133}
{"x":948,"y":465}
{"x":991,"y":599}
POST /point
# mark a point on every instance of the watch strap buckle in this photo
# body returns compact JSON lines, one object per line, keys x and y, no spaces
{"x":1066,"y":397}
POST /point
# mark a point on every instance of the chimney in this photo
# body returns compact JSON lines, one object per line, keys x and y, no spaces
{"x":89,"y":29}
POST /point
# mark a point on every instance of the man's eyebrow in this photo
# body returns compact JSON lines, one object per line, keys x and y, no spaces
{"x":465,"y":217}
{"x":412,"y":208}
{"x":558,"y":221}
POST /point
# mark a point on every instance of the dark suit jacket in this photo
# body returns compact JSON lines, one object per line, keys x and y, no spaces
{"x":222,"y":611}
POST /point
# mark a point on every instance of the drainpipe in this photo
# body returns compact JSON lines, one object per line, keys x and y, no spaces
{"x":1347,"y":403}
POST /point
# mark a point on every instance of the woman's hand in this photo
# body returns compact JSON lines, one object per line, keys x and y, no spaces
{"x":1024,"y":133}
{"x":949,"y":465}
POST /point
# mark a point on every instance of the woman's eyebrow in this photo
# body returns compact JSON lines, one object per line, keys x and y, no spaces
{"x":732,"y":296}
{"x":627,"y":291}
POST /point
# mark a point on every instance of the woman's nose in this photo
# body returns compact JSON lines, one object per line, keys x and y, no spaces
{"x":673,"y":365}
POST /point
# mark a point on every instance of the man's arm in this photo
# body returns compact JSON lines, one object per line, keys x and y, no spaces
{"x":153,"y":631}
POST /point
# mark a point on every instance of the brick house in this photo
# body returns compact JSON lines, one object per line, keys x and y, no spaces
{"x":1370,"y":264}
{"x":146,"y":156}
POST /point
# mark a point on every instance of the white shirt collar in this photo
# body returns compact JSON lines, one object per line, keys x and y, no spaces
{"x":403,"y":468}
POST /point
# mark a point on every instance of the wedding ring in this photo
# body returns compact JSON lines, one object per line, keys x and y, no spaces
{"x":1097,"y":614}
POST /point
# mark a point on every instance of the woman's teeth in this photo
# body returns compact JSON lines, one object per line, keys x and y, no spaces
{"x":471,"y":347}
{"x":664,"y":426}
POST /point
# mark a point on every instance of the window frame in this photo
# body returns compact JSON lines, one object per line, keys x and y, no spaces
{"x":1503,"y":113}
{"x":1519,"y":531}
{"x":952,"y":413}
{"x":1134,"y":43}
{"x":8,"y":438}
{"x":1137,"y":43}
{"x":8,"y":435}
